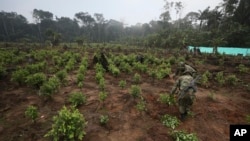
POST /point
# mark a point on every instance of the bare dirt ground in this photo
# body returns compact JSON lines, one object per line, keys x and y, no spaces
{"x":211,"y":117}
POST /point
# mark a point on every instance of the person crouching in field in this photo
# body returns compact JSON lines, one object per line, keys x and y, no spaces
{"x":186,"y":94}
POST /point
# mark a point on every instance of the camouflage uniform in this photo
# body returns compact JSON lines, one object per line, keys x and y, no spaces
{"x":186,"y":94}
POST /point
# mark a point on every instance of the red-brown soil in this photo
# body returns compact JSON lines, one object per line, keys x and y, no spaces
{"x":210,"y":121}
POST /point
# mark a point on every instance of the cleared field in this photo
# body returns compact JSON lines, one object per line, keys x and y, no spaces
{"x":222,"y":97}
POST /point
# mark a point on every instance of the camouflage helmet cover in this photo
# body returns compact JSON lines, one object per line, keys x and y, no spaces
{"x":181,"y":66}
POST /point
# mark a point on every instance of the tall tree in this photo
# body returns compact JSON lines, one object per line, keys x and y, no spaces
{"x":203,"y":16}
{"x":99,"y":26}
{"x":87,"y":23}
{"x":12,"y":26}
{"x":68,"y":28}
{"x":40,"y":16}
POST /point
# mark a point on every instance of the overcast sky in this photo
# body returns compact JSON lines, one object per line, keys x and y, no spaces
{"x":128,"y":11}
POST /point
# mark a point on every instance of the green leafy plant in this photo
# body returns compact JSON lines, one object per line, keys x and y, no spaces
{"x":220,"y":78}
{"x":122,"y":83}
{"x":31,"y":112}
{"x":35,"y":68}
{"x":70,"y":64}
{"x":50,"y":87}
{"x":19,"y":76}
{"x":152,"y":73}
{"x":172,"y":60}
{"x":125,"y":67}
{"x":183,"y":136}
{"x":114,"y":70}
{"x":231,"y":79}
{"x":58,"y":61}
{"x":84,"y":62}
{"x":77,"y":98}
{"x":82,"y":69}
{"x":167,"y":99}
{"x":102,"y":84}
{"x":36,"y":80}
{"x":103,"y":119}
{"x":242,"y":68}
{"x":162,"y":73}
{"x":80,"y":84}
{"x":61,"y":75}
{"x":99,"y":68}
{"x":199,"y":62}
{"x":208,"y":74}
{"x":140,"y":67}
{"x":141,"y":105}
{"x":68,"y":125}
{"x":137,"y":78}
{"x":135,"y":91}
{"x":102,"y":96}
{"x":204,"y":80}
{"x":170,"y":121}
{"x":79,"y":78}
{"x":99,"y":76}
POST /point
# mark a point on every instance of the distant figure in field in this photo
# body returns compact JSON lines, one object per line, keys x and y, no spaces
{"x":140,"y":58}
{"x":100,"y":58}
{"x":198,"y":51}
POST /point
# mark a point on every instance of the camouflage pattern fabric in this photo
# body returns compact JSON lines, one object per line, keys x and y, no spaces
{"x":185,"y":99}
{"x":189,"y":69}
{"x":186,"y":68}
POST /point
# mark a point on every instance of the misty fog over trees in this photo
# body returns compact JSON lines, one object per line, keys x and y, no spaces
{"x":228,"y":24}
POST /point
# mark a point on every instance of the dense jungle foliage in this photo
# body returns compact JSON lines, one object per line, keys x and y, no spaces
{"x":228,"y":24}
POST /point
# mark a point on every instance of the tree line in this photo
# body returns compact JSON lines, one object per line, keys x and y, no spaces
{"x":228,"y":24}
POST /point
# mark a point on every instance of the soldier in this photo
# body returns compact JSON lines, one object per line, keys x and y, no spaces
{"x":140,"y":58}
{"x":182,"y":67}
{"x":99,"y":57}
{"x":186,"y":94}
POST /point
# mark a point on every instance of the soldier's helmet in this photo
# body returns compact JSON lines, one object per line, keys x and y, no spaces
{"x":181,"y":66}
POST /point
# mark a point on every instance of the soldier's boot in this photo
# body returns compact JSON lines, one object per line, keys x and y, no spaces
{"x":183,"y":116}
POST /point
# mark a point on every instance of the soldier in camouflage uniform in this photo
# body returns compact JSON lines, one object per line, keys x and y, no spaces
{"x":186,"y":94}
{"x":182,"y":67}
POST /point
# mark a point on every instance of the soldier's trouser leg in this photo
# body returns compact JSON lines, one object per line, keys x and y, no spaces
{"x":182,"y":109}
{"x":186,"y":102}
{"x":183,"y":112}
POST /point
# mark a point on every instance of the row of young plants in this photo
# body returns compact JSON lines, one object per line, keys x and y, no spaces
{"x":78,"y":98}
{"x":135,"y":91}
{"x":69,"y":123}
{"x":172,"y":122}
{"x":151,"y":65}
{"x":220,"y":78}
{"x":160,"y":68}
